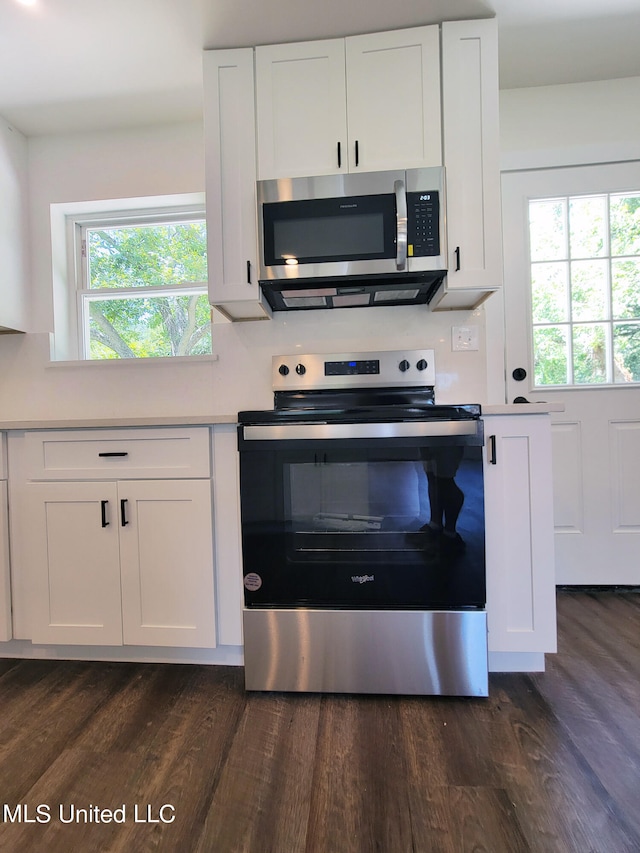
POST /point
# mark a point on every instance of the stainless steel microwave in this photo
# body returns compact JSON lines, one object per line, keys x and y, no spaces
{"x":334,"y":241}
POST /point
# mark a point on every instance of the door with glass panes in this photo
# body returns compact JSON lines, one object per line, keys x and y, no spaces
{"x":572,"y":316}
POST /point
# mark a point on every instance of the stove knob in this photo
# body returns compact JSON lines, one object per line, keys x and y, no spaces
{"x":422,"y":364}
{"x":404,"y":365}
{"x":301,"y":369}
{"x":283,"y":370}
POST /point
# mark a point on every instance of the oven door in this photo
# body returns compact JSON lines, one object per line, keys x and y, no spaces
{"x":363,"y":515}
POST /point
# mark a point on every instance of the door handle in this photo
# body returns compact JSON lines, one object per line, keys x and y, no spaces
{"x":123,"y":512}
{"x":339,"y":156}
{"x":401,"y":224}
{"x":103,"y":513}
{"x":457,"y":254}
{"x":493,"y":459}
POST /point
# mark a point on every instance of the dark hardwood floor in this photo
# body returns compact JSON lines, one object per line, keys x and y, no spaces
{"x":548,"y":763}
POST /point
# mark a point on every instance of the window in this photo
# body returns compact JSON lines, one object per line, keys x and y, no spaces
{"x":141,"y":284}
{"x":585,"y":289}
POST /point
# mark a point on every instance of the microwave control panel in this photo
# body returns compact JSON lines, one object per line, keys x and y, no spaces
{"x":423,"y":225}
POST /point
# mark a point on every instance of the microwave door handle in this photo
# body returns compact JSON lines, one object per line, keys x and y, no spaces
{"x":401,"y":224}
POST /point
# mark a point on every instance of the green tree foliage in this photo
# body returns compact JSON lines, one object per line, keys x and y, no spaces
{"x":132,"y":324}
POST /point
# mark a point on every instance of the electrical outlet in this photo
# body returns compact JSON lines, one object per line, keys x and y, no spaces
{"x":464,"y":338}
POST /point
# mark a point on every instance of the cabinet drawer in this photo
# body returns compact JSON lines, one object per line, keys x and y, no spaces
{"x":97,"y":454}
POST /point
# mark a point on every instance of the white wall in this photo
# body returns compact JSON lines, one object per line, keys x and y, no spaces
{"x":95,"y":166}
{"x":14,"y":291}
{"x":572,"y":124}
{"x":161,"y":161}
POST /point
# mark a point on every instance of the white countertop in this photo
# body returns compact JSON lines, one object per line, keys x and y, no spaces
{"x":522,"y":408}
{"x":86,"y":423}
{"x":208,"y":420}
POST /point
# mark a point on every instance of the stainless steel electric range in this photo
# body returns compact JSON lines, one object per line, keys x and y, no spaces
{"x":363,"y":530}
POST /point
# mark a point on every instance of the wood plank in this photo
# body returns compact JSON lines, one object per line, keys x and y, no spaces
{"x":360,"y":795}
{"x":263,"y":797}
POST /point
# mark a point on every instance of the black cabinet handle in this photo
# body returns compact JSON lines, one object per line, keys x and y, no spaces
{"x":493,"y":459}
{"x":339,"y":156}
{"x":357,"y":154}
{"x":103,"y":513}
{"x":248,"y":272}
{"x":114,"y":453}
{"x":457,"y":254}
{"x":123,"y":512}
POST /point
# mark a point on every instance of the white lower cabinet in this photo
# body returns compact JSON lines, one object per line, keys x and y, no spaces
{"x":5,"y":577}
{"x":128,"y":562}
{"x":521,"y":604}
{"x":113,"y":561}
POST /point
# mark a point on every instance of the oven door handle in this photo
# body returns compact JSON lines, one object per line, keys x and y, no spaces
{"x":324,"y":431}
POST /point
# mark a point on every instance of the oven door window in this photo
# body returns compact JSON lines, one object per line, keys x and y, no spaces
{"x":401,"y":527}
{"x":351,"y":508}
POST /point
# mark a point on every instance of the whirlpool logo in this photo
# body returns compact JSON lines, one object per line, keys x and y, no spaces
{"x":362,"y":578}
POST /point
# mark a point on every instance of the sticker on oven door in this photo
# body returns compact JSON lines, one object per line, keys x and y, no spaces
{"x":252,"y":582}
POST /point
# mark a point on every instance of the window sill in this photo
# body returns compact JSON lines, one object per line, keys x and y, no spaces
{"x":116,"y":363}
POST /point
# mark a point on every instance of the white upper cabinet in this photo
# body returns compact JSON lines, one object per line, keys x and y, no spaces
{"x":364,"y":103}
{"x":230,"y":160}
{"x":13,"y":230}
{"x":393,"y":100}
{"x":301,"y":109}
{"x":472,"y":161}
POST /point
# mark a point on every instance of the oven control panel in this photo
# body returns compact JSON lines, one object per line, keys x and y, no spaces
{"x":389,"y":369}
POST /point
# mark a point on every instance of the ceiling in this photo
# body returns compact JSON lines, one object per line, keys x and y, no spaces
{"x":76,"y":65}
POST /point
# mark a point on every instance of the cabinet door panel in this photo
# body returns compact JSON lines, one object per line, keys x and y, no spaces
{"x":393,"y":99}
{"x":230,"y":160}
{"x":521,"y":610}
{"x":471,"y":156}
{"x":167,"y":564}
{"x":5,"y":584}
{"x":75,"y":560}
{"x":301,"y":109}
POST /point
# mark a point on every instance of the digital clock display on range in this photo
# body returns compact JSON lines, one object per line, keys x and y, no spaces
{"x":351,"y":368}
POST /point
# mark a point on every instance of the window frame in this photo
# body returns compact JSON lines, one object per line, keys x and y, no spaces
{"x":77,"y":226}
{"x":570,"y":324}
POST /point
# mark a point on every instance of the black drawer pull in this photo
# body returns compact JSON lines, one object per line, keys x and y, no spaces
{"x":103,"y":512}
{"x":123,"y":512}
{"x":114,"y":453}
